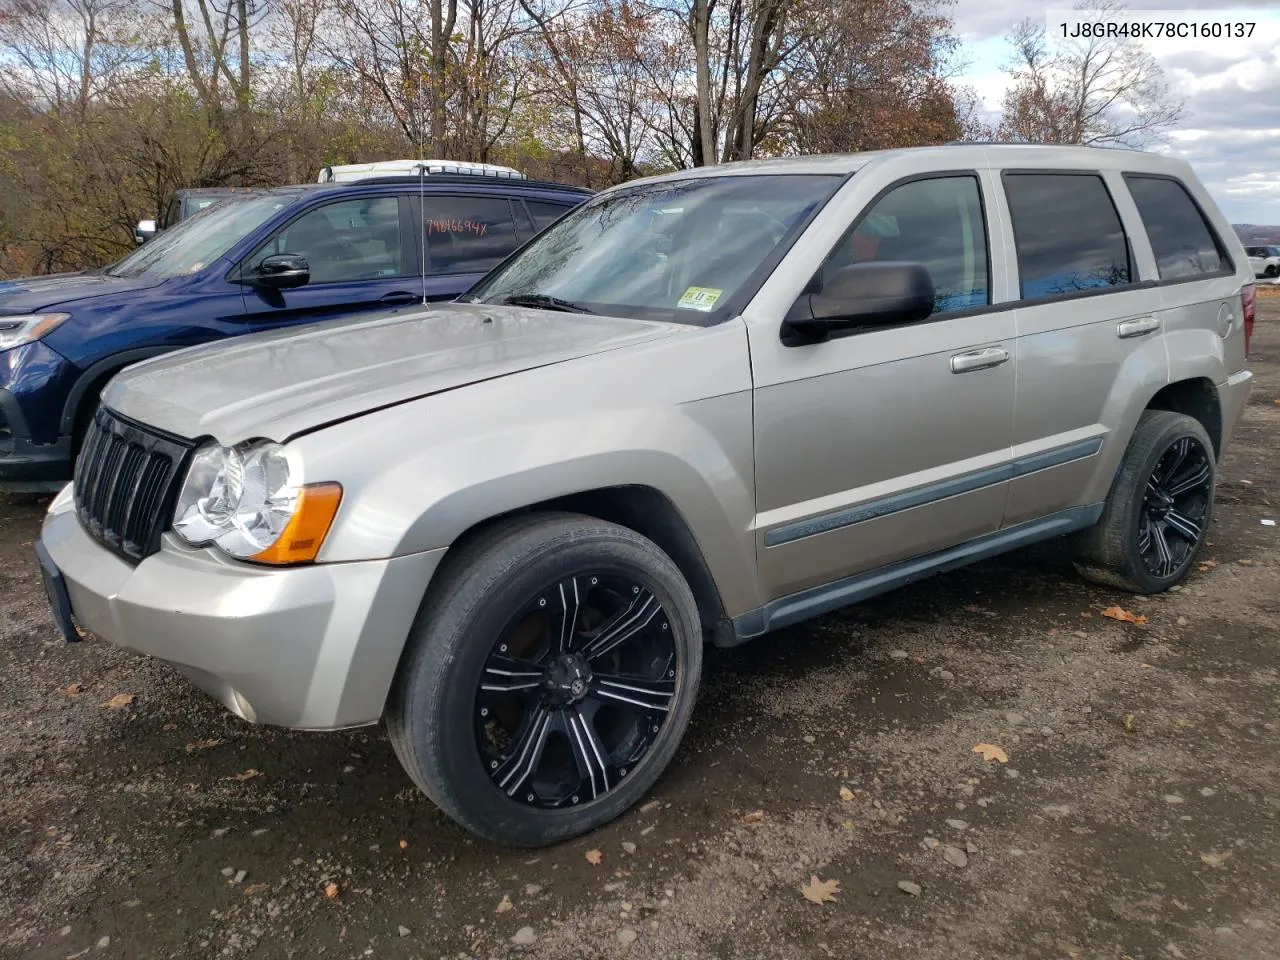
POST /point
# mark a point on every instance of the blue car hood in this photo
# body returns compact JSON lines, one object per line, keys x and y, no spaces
{"x":31,"y":294}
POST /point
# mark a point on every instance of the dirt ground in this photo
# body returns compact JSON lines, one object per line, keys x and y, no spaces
{"x":1136,"y":817}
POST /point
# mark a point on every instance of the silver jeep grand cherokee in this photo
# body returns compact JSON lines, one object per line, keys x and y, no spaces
{"x":701,"y":406}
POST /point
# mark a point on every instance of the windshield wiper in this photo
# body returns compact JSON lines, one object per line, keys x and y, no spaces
{"x":543,"y":302}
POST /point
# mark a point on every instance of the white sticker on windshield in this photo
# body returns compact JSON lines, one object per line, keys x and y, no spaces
{"x":699,"y":298}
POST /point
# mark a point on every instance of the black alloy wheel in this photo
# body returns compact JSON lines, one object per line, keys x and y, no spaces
{"x":1157,"y":513}
{"x":1175,"y":507}
{"x":575,"y":690}
{"x":548,"y":679}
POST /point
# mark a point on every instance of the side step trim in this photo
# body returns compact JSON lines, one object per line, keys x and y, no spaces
{"x":830,"y":596}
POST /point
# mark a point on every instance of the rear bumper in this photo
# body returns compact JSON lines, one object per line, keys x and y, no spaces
{"x":1233,"y":394}
{"x":311,"y":647}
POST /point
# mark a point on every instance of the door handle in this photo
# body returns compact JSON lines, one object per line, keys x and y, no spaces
{"x":983,"y":359}
{"x":399,"y":297}
{"x":1138,"y":327}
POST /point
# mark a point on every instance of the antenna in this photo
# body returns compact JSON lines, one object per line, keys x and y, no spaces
{"x":422,"y":225}
{"x":422,"y":181}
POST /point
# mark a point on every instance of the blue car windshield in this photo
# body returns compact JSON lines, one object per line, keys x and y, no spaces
{"x":196,"y":242}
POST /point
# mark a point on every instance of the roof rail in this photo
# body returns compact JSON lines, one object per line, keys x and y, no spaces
{"x":346,"y":173}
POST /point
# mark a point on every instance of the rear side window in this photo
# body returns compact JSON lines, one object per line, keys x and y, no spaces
{"x":937,"y":222}
{"x":467,"y":234}
{"x":1067,"y":233}
{"x":544,"y":214}
{"x":1183,"y":243}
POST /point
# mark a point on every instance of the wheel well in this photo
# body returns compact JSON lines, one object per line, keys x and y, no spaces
{"x":1196,"y":398}
{"x":649,"y":513}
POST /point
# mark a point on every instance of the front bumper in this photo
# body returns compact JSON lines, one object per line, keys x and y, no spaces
{"x":310,"y":647}
{"x":25,"y":466}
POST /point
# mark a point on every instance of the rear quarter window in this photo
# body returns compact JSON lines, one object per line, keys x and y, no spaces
{"x":1067,"y":233}
{"x":1183,"y":242}
{"x":544,"y":213}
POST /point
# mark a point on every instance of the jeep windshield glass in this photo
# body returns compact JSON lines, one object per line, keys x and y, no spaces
{"x":677,"y":250}
{"x":195,"y":243}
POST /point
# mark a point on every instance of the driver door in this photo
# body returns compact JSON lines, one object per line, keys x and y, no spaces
{"x":882,"y":444}
{"x":362,"y":255}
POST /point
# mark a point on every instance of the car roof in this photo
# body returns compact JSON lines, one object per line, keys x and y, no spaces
{"x":431,"y":184}
{"x":957,"y":155}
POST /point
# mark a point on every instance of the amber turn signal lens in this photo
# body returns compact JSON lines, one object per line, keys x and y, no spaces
{"x":302,"y":537}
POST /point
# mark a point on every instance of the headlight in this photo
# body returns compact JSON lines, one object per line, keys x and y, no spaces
{"x":250,"y":502}
{"x":15,"y":331}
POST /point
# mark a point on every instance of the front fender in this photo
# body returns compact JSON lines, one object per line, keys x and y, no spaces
{"x":417,"y":476}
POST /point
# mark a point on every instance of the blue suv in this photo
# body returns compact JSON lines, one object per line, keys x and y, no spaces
{"x":280,"y":257}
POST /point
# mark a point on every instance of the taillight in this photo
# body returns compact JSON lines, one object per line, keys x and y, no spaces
{"x":1248,"y":306}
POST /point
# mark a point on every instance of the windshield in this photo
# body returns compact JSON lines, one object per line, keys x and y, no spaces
{"x":195,"y":243}
{"x":676,"y":250}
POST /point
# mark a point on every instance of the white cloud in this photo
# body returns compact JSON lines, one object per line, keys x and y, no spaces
{"x":1230,"y":130}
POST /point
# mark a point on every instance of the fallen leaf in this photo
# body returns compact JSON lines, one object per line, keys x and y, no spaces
{"x":169,"y":727}
{"x":1206,"y":565}
{"x":331,"y":891}
{"x":242,"y":777}
{"x":1128,"y":723}
{"x":118,"y":701}
{"x":254,"y":889}
{"x":1119,"y":613}
{"x":595,"y":857}
{"x":1278,"y":403}
{"x":404,"y":844}
{"x":820,"y":891}
{"x":1215,"y":859}
{"x":991,"y":752}
{"x":195,"y":745}
{"x":846,"y":794}
{"x":74,"y":689}
{"x":504,"y":904}
{"x":754,"y":816}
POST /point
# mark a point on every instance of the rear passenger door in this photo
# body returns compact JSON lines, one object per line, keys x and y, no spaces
{"x":1089,"y":334}
{"x":466,"y":235}
{"x":361,"y":254}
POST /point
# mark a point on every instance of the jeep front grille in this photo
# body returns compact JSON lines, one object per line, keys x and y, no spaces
{"x":126,"y":481}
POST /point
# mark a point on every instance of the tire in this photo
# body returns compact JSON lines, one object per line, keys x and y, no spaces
{"x":1271,"y":271}
{"x":1124,"y":549}
{"x":487,"y":620}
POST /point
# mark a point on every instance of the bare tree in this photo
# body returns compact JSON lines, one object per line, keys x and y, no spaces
{"x":1089,"y":90}
{"x":62,"y":53}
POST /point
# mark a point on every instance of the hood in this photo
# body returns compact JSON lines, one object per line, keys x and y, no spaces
{"x":31,"y":294}
{"x":285,"y":382}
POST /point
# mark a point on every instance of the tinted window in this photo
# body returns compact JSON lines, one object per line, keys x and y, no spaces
{"x":677,"y":250}
{"x":1067,"y":232}
{"x":467,"y":234}
{"x":935,"y":222}
{"x":1184,"y":245}
{"x":345,"y":241}
{"x":545,"y":213}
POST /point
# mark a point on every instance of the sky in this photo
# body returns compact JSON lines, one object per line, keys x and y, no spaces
{"x":1230,"y":128}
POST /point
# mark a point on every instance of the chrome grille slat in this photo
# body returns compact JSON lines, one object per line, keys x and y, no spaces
{"x":126,"y":482}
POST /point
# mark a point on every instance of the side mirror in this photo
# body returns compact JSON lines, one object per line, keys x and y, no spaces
{"x":144,"y":231}
{"x":875,"y":294}
{"x":280,"y":271}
